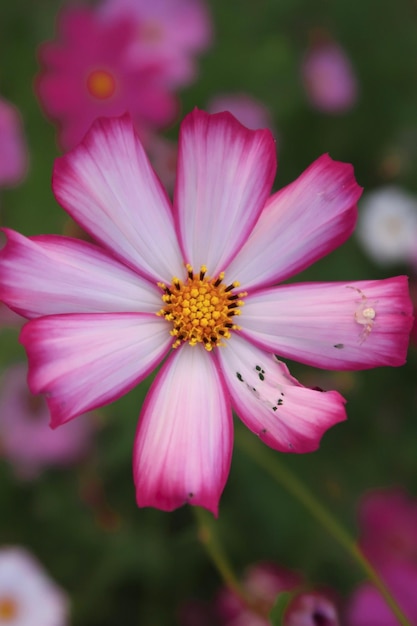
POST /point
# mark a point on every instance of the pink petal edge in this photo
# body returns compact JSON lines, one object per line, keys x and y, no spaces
{"x":183,"y":443}
{"x":272,"y":404}
{"x":50,"y":274}
{"x":108,"y":186}
{"x":301,"y":223}
{"x":83,"y":361}
{"x":224,"y":176}
{"x":337,"y":326}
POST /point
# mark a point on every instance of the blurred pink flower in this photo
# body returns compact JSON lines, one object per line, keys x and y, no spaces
{"x":262,"y":582}
{"x":388,"y":527}
{"x":86,"y":75}
{"x":368,"y":608}
{"x":167,"y":32}
{"x":103,"y":316}
{"x":163,"y":155}
{"x":250,"y":112}
{"x":13,"y":148}
{"x":329,"y":79}
{"x":312,"y":608}
{"x":28,"y":596}
{"x":26,"y":439}
{"x":388,"y":537}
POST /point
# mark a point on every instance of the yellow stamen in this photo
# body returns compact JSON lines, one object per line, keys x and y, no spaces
{"x":201,"y":308}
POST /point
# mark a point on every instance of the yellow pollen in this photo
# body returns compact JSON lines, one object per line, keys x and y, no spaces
{"x":201,"y":309}
{"x":101,"y":84}
{"x":8,"y":609}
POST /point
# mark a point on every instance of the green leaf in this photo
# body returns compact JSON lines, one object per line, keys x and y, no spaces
{"x":282,"y":601}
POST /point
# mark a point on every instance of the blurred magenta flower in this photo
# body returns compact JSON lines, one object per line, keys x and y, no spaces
{"x":388,"y":527}
{"x":368,"y":608}
{"x":102,"y":317}
{"x":28,"y":596}
{"x":13,"y":149}
{"x":329,"y":79}
{"x":387,"y":226}
{"x":26,"y":440}
{"x":86,"y":74}
{"x":388,"y":537}
{"x":166,"y":32}
{"x":250,"y":112}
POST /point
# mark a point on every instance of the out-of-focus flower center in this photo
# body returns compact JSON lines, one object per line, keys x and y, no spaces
{"x":8,"y":609}
{"x":201,"y":309}
{"x":101,"y":84}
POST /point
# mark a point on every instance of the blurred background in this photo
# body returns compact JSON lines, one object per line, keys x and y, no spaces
{"x":326,"y":77}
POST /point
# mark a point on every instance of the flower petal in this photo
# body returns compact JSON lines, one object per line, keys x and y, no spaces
{"x":183,"y":444}
{"x":300,"y":224}
{"x":225,"y":174}
{"x":50,"y":274}
{"x":84,"y":361}
{"x":108,"y":186}
{"x":273,"y":404}
{"x":339,"y":326}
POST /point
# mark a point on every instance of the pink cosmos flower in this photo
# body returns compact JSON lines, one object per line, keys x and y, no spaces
{"x":28,"y":596}
{"x":13,"y":149}
{"x":329,"y":79}
{"x":24,"y":418}
{"x":86,"y":75}
{"x":196,"y":283}
{"x":167,"y":32}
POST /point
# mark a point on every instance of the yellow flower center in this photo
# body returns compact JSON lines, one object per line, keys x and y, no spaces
{"x":201,"y":309}
{"x":101,"y":84}
{"x":8,"y":609}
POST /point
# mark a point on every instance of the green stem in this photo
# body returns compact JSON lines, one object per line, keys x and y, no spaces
{"x":281,"y":474}
{"x":215,"y":551}
{"x":211,"y":543}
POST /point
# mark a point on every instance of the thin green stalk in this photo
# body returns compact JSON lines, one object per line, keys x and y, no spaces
{"x":211,"y":543}
{"x":216,"y":553}
{"x":281,"y":474}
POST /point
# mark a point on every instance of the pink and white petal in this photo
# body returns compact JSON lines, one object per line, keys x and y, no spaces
{"x":300,"y":224}
{"x":337,"y":326}
{"x":109,"y":187}
{"x":82,"y":362}
{"x":183,"y":443}
{"x":225,"y":174}
{"x":273,"y":405}
{"x":49,"y":275}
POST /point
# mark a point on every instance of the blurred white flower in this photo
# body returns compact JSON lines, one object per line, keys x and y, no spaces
{"x":387,"y":227}
{"x":28,"y":597}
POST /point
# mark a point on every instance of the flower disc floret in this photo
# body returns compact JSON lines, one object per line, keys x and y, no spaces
{"x":201,"y":309}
